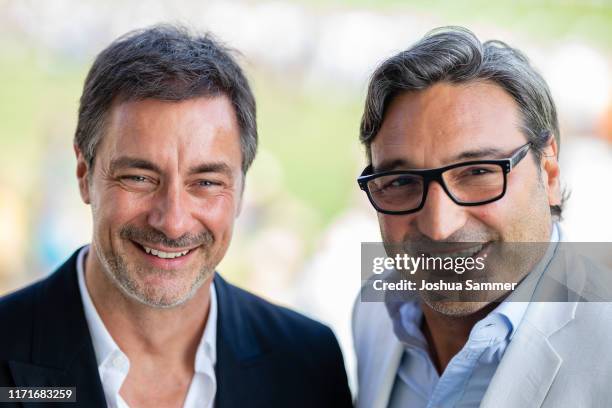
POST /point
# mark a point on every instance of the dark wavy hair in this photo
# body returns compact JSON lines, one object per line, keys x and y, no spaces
{"x":163,"y":62}
{"x":455,"y":55}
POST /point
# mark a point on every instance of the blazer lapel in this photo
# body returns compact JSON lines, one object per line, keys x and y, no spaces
{"x":530,"y":364}
{"x":62,"y":351}
{"x":238,"y":353}
{"x":381,"y":385}
{"x":379,"y":358}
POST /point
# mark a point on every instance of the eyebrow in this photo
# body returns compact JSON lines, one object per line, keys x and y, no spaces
{"x":478,"y":154}
{"x":488,"y":152}
{"x":136,"y":163}
{"x":214,"y":167}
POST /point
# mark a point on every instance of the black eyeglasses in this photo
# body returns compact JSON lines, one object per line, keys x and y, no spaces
{"x":468,"y":183}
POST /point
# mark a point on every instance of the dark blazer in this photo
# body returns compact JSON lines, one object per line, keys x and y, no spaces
{"x":267,"y":356}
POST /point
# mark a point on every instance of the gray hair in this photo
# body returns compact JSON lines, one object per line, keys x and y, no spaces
{"x":169,"y":63}
{"x":455,"y":55}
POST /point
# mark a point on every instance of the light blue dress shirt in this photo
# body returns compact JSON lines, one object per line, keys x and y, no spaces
{"x":466,"y":378}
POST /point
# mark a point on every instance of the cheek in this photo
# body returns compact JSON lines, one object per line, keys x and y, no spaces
{"x":514,"y":215}
{"x":115,"y":207}
{"x":502,"y":216}
{"x":492,"y":214}
{"x":218,"y":216}
{"x":394,"y":228}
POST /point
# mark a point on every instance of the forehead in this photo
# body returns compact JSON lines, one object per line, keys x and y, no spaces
{"x":168,"y":131}
{"x":428,"y":128}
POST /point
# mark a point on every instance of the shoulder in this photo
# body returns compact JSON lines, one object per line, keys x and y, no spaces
{"x":370,"y":317}
{"x":23,"y":311}
{"x":597,"y":281}
{"x":582,"y":346}
{"x":19,"y":301}
{"x":580,"y":276}
{"x":268,"y":320}
{"x":17,"y":316}
{"x":372,"y":329}
{"x":593,"y":322}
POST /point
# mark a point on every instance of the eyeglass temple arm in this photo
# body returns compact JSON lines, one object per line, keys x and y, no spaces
{"x":365,"y":172}
{"x":518,"y":156}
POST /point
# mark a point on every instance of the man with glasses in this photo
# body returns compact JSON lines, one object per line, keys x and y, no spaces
{"x":462,"y":142}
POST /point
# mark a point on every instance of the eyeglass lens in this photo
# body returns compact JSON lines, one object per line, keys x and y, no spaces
{"x":468,"y":184}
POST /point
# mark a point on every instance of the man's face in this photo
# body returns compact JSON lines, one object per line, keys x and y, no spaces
{"x":165,"y":190}
{"x":447,"y":124}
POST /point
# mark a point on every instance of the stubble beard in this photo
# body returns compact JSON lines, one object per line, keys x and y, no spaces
{"x":124,"y":276}
{"x":525,"y":258}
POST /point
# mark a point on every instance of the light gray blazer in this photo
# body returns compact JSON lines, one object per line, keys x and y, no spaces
{"x":560,"y":356}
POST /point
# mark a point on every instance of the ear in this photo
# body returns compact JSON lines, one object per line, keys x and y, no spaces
{"x":82,"y":173}
{"x":551,"y":171}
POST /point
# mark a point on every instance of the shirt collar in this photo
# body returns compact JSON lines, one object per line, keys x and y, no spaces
{"x":207,"y":350}
{"x":103,"y":343}
{"x":105,"y":346}
{"x":513,"y":311}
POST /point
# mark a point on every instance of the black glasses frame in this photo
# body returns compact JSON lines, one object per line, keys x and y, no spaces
{"x":430,"y":175}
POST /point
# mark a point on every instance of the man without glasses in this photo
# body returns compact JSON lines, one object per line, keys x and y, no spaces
{"x":462,"y":141}
{"x":166,"y":133}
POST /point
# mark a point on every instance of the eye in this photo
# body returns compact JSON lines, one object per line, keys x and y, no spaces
{"x":208,"y":183}
{"x":138,"y":182}
{"x":135,"y":179}
{"x":476,"y":171}
{"x":402,"y":181}
{"x":209,"y":187}
{"x":399,"y":182}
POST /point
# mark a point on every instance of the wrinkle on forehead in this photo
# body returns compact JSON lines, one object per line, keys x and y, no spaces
{"x":173,"y":134}
{"x":429,"y":127}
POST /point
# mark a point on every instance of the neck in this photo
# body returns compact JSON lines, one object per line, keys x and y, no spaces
{"x":143,"y":331}
{"x":446,"y":335}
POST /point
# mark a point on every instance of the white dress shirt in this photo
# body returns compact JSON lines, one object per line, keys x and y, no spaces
{"x":113,"y":364}
{"x":467,"y":376}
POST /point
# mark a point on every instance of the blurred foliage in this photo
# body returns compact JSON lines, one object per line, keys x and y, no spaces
{"x":314,"y":134}
{"x":546,"y":19}
{"x":39,"y":97}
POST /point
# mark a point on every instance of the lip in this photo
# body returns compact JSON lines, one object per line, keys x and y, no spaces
{"x":450,"y":249}
{"x":472,"y":274}
{"x":162,"y":248}
{"x":168,"y":263}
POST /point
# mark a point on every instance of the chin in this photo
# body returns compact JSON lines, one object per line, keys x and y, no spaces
{"x":456,"y":309}
{"x":163,"y":290}
{"x":159,"y":298}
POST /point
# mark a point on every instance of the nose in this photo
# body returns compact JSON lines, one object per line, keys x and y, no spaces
{"x":170,"y":212}
{"x":440,"y":217}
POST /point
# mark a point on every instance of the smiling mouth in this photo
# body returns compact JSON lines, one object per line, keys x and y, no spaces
{"x":163,"y":254}
{"x":462,"y":253}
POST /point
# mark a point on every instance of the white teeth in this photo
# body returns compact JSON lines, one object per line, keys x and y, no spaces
{"x":165,"y":255}
{"x":466,"y":253}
